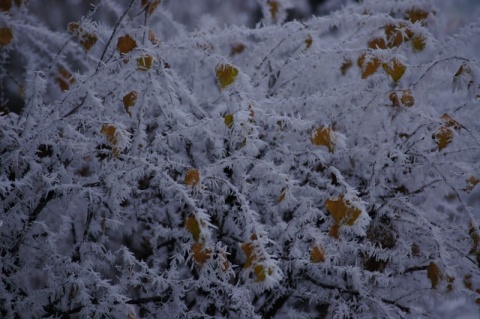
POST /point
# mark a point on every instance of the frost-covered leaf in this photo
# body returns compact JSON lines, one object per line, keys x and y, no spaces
{"x":126,"y":44}
{"x":6,"y":36}
{"x":395,"y":69}
{"x":434,"y":274}
{"x":226,"y":74}
{"x":342,"y":211}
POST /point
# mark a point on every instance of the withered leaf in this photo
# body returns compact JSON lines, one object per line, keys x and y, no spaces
{"x":342,"y":211}
{"x":192,"y":225}
{"x":434,"y":274}
{"x":323,"y":136}
{"x":192,"y":177}
{"x":6,"y":36}
{"x":126,"y":44}
{"x":129,"y":100}
{"x":395,"y":69}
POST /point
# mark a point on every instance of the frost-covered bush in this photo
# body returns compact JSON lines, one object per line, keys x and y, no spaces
{"x":323,"y":168}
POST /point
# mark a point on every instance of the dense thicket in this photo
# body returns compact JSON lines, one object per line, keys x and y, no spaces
{"x":317,"y":168}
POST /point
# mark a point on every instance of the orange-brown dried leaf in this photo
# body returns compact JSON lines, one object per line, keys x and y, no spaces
{"x":323,"y":136}
{"x":6,"y":36}
{"x":308,"y":42}
{"x":5,"y":5}
{"x":377,"y":43}
{"x":200,"y":254}
{"x":150,"y":6}
{"x":395,"y":69}
{"x":347,"y":64}
{"x":418,"y":43}
{"x":450,"y":121}
{"x":393,"y":97}
{"x":397,"y":34}
{"x":407,"y":98}
{"x":274,"y":7}
{"x":126,"y":44}
{"x":443,"y":137}
{"x":416,"y":14}
{"x":342,"y":211}
{"x":472,"y":181}
{"x":144,"y":63}
{"x":192,"y":177}
{"x":152,"y":37}
{"x":250,"y":257}
{"x":334,"y":231}
{"x":369,"y":64}
{"x":475,"y":236}
{"x":434,"y":274}
{"x":415,"y":249}
{"x":317,"y":254}
{"x":281,"y":198}
{"x":64,"y":79}
{"x":88,"y":40}
{"x":226,"y":74}
{"x":129,"y":100}
{"x":237,"y":49}
{"x":72,"y":27}
{"x":192,"y":225}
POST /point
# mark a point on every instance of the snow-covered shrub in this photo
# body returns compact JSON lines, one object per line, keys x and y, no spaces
{"x":319,"y":168}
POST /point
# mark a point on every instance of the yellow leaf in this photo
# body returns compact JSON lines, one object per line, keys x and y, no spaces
{"x":407,"y":98}
{"x":274,"y":7}
{"x":129,"y":100}
{"x":368,"y":64}
{"x":342,"y":211}
{"x":200,"y":254}
{"x":317,"y":254}
{"x":260,"y":272}
{"x":308,"y":42}
{"x":395,"y":69}
{"x":229,"y":120}
{"x":6,"y":36}
{"x":396,"y":34}
{"x":110,"y":131}
{"x":226,"y":74}
{"x":323,"y":136}
{"x":192,"y":177}
{"x":192,"y":225}
{"x":144,"y":63}
{"x":418,"y":43}
{"x":434,"y":274}
{"x":126,"y":44}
